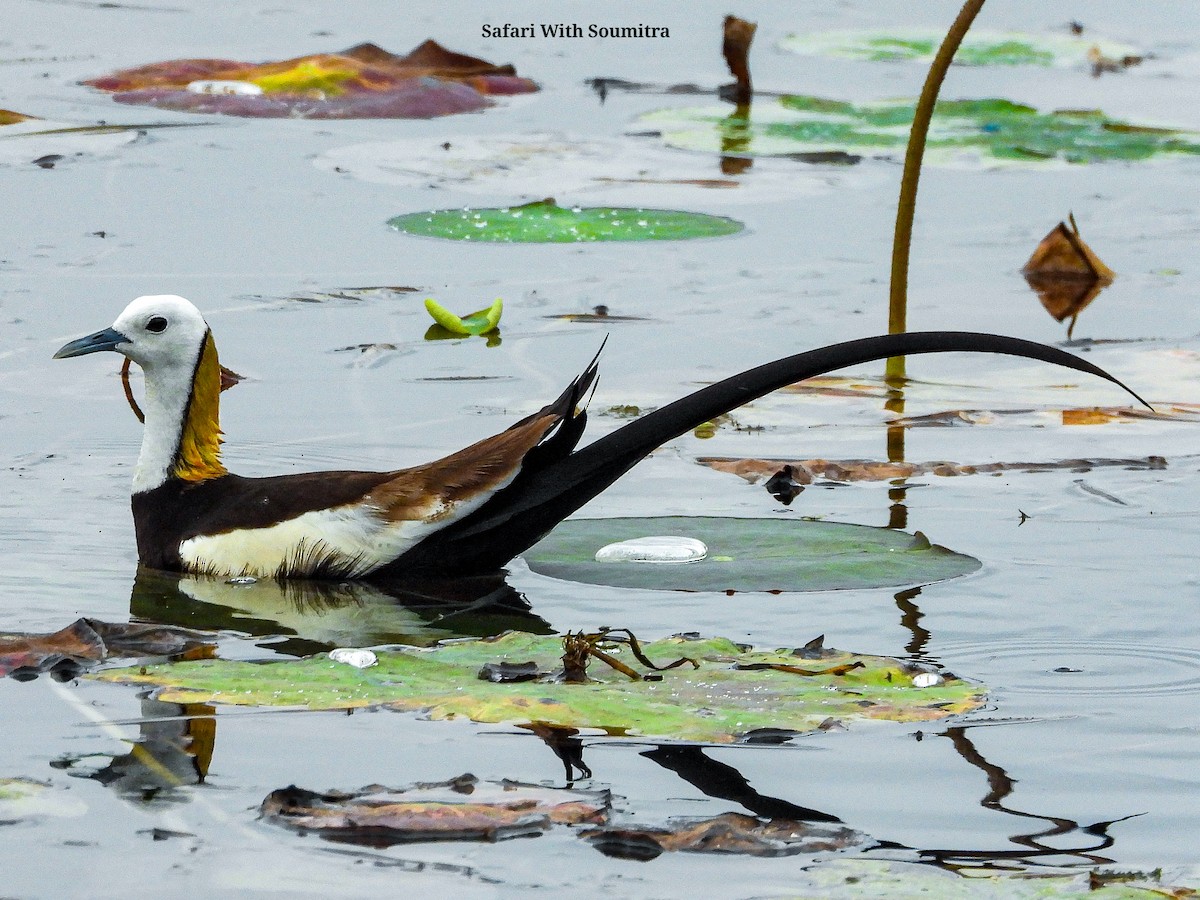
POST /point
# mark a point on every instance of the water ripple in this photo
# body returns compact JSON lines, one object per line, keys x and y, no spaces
{"x":1096,"y":668}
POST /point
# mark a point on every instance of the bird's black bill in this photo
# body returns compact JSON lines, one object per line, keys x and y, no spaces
{"x":108,"y":339}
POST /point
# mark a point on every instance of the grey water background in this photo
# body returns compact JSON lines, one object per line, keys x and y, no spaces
{"x":241,"y":215}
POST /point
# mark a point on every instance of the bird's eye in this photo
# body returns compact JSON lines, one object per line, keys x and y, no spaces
{"x":157,"y":325}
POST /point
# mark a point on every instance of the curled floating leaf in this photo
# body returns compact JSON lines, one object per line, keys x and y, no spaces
{"x":479,"y":322}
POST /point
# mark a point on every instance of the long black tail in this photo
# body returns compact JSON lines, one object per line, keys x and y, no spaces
{"x":542,"y":496}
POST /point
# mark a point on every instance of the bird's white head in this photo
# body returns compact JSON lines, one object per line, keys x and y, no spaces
{"x":169,"y":339}
{"x":159,"y":332}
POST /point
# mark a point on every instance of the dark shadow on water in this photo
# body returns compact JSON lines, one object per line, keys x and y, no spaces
{"x":315,"y":616}
{"x":910,"y":618}
{"x":722,"y":781}
{"x":1034,"y":849}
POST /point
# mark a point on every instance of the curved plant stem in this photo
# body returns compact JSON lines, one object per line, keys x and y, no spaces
{"x":898,"y":296}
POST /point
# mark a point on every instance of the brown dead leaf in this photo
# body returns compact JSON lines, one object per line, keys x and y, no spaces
{"x":380,"y":817}
{"x":86,"y":642}
{"x":1065,"y":273}
{"x":727,"y":833}
{"x":1063,"y":254}
{"x":808,"y":470}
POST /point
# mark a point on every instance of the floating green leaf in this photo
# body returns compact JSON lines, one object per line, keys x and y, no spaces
{"x":720,"y":701}
{"x":545,"y":222}
{"x":979,"y":48}
{"x":993,"y":129}
{"x":750,"y":555}
{"x":479,"y":322}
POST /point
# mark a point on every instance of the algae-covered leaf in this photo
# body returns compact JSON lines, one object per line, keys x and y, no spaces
{"x":460,"y":809}
{"x":993,"y":130}
{"x":717,"y":702}
{"x":545,"y":222}
{"x":978,"y":48}
{"x":364,"y":81}
{"x":749,"y":555}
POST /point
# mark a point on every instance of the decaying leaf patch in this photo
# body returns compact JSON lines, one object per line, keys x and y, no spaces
{"x":364,"y":81}
{"x":87,"y":642}
{"x":461,"y":809}
{"x":726,"y":833}
{"x":808,"y":471}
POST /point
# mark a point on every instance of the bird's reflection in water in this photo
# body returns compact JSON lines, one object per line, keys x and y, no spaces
{"x":305,"y":617}
{"x":173,"y":749}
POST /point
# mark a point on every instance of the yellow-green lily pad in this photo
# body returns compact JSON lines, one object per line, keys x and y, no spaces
{"x":749,"y":555}
{"x":721,"y":701}
{"x":479,"y":322}
{"x":545,"y":222}
{"x":991,"y":129}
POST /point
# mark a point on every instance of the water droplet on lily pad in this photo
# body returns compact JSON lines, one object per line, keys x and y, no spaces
{"x":750,"y":555}
{"x":350,"y":656}
{"x":654,"y":549}
{"x":210,"y":86}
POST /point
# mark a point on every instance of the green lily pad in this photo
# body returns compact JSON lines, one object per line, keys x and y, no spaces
{"x":545,"y":222}
{"x":978,"y":48}
{"x":991,"y":129}
{"x":717,"y":702}
{"x":479,"y":322}
{"x":750,"y":555}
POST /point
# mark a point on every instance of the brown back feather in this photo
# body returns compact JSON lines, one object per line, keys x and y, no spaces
{"x":482,"y":467}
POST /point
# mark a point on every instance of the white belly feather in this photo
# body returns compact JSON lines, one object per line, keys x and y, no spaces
{"x":351,"y":540}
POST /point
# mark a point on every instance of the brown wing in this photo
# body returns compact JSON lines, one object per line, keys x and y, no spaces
{"x":474,"y":472}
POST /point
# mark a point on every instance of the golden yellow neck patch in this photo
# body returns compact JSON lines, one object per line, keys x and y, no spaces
{"x":199,"y":454}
